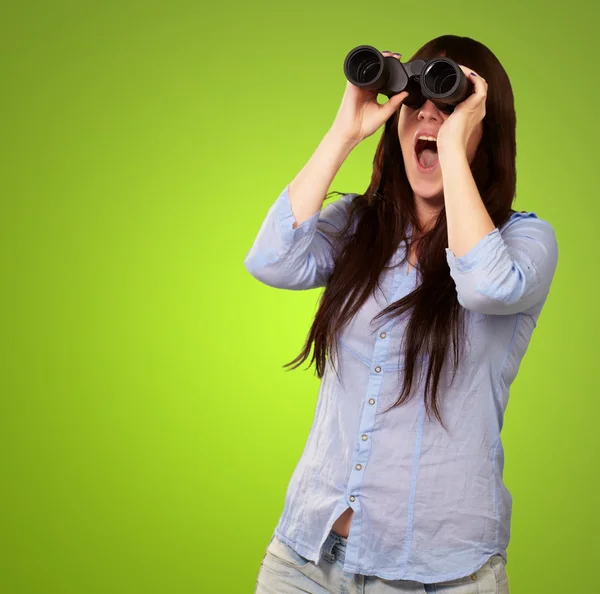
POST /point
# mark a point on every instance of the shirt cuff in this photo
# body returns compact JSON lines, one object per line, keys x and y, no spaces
{"x":481,"y":255}
{"x":285,"y":219}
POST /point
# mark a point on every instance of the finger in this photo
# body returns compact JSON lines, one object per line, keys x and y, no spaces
{"x":387,"y":53}
{"x":479,"y":83}
{"x":393,"y":103}
{"x":472,"y":75}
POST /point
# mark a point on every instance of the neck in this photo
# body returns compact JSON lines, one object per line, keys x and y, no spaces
{"x":427,"y":210}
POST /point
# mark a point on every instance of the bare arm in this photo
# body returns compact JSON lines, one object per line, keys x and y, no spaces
{"x":308,"y":189}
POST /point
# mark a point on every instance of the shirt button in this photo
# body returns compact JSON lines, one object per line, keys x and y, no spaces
{"x":364,"y":437}
{"x":378,"y":369}
{"x":371,"y":400}
{"x":358,"y":466}
{"x":383,"y":335}
{"x":352,"y":498}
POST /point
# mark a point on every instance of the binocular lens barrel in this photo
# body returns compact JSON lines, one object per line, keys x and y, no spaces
{"x":363,"y":66}
{"x":439,"y":78}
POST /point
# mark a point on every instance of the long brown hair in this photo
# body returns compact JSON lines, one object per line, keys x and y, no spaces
{"x":380,"y":224}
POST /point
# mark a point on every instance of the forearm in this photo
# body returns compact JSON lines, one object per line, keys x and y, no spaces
{"x":308,"y":189}
{"x":466,"y":216}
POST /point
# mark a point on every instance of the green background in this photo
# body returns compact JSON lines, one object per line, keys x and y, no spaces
{"x":148,"y":430}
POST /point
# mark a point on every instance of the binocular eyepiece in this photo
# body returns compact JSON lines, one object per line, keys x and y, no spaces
{"x":440,"y":80}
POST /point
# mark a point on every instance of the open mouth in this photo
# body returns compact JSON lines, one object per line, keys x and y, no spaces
{"x":426,"y":154}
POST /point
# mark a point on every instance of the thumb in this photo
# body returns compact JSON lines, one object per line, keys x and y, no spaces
{"x":394,"y":102}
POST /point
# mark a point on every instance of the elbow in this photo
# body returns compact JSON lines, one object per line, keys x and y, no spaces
{"x":264,"y":271}
{"x":281,"y":275}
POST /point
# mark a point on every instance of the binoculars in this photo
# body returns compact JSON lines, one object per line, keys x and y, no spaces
{"x":440,"y":80}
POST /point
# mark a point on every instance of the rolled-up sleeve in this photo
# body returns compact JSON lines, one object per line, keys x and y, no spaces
{"x":300,"y":258}
{"x":508,"y":271}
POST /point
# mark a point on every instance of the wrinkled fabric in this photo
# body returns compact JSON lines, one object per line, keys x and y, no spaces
{"x":283,"y":571}
{"x":429,"y":504}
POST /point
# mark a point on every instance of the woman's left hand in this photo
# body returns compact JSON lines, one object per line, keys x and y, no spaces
{"x":455,"y":132}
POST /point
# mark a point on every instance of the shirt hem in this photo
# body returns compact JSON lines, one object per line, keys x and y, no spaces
{"x":307,"y":552}
{"x":425,"y":579}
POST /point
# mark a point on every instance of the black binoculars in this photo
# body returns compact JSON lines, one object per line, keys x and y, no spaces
{"x":440,"y":80}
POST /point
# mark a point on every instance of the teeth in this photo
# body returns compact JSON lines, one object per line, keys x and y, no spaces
{"x":423,"y":137}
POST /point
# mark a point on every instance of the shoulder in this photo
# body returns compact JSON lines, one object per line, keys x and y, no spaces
{"x":526,"y":229}
{"x":337,"y":212}
{"x":339,"y":207}
{"x":347,"y":199}
{"x":521,"y":220}
{"x":342,"y":201}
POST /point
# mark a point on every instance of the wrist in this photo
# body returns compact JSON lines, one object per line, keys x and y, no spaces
{"x":451,"y":152}
{"x":342,"y":138}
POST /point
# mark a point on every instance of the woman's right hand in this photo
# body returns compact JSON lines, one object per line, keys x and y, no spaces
{"x":360,"y":115}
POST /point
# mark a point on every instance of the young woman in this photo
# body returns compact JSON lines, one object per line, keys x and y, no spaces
{"x":433,"y":286}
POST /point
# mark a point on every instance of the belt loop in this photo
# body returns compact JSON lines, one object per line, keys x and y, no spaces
{"x":330,"y":542}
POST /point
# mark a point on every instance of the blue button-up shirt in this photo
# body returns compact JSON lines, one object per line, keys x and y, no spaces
{"x":429,"y":505}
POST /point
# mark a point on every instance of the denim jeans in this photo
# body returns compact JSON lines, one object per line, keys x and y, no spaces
{"x":283,"y":571}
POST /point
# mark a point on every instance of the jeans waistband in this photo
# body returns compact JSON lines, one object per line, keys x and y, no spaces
{"x":334,"y":547}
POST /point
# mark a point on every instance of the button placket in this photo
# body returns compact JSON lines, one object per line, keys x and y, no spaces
{"x":366,"y":426}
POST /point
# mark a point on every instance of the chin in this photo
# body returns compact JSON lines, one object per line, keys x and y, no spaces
{"x":426,"y":188}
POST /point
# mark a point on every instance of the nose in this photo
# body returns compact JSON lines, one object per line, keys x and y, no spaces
{"x":429,"y":111}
